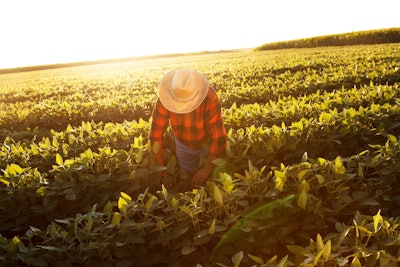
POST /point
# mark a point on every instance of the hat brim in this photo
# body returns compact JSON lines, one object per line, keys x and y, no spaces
{"x":175,"y":106}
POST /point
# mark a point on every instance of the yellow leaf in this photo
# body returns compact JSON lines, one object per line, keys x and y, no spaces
{"x":360,"y":170}
{"x":304,"y":186}
{"x":280,"y":179}
{"x":339,"y":167}
{"x":272,"y":259}
{"x":378,"y":219}
{"x":164,"y":192}
{"x":326,"y":252}
{"x":59,"y":159}
{"x":14,"y":169}
{"x":321,"y":179}
{"x":126,"y":197}
{"x":355,"y":262}
{"x":150,"y":202}
{"x":218,"y":195}
{"x":186,"y":210}
{"x":302,"y":199}
{"x":122,"y":205}
{"x":7,"y":183}
{"x":320,"y":243}
{"x":282,"y":262}
{"x":302,"y":173}
{"x":256,"y":259}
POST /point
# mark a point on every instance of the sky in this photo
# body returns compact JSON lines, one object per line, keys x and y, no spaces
{"x":62,"y":31}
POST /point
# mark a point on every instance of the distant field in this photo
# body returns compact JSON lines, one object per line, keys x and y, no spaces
{"x":380,"y":36}
{"x":309,"y":177}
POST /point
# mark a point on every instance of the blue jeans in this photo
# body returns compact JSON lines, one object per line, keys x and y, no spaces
{"x":188,"y":158}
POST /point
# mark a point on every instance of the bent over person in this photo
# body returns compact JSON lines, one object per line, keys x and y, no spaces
{"x":191,"y":106}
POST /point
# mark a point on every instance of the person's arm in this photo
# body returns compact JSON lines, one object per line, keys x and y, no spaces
{"x":217,"y":146}
{"x":159,"y":124}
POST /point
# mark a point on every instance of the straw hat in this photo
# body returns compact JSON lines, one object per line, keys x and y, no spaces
{"x":183,"y":90}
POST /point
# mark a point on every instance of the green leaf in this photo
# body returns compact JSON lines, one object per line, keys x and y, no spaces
{"x":297,"y":250}
{"x":186,"y":250}
{"x":171,"y":165}
{"x":392,"y":138}
{"x":89,"y":224}
{"x":219,"y":161}
{"x":116,"y":220}
{"x":174,"y":203}
{"x":41,"y":191}
{"x":139,"y":156}
{"x":202,"y":238}
{"x":237,"y":258}
{"x":12,"y":246}
{"x":124,"y":263}
{"x":156,"y":147}
{"x":52,"y":248}
{"x":282,"y":262}
{"x":320,"y":178}
{"x":108,"y":208}
{"x":186,"y":210}
{"x":211,"y":229}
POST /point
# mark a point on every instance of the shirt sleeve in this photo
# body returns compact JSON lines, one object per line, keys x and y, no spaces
{"x":216,"y":126}
{"x":159,"y":124}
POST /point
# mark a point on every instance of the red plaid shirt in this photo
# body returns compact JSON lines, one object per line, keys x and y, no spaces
{"x":194,"y":128}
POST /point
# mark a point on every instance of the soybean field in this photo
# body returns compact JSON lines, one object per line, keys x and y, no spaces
{"x":310,"y":175}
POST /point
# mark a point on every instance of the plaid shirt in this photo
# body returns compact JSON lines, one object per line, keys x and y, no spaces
{"x":194,"y":128}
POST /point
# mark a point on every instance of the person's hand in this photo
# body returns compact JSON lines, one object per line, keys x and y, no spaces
{"x":200,"y":177}
{"x":166,"y":179}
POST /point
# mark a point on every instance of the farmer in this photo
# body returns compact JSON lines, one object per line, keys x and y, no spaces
{"x":191,"y":106}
